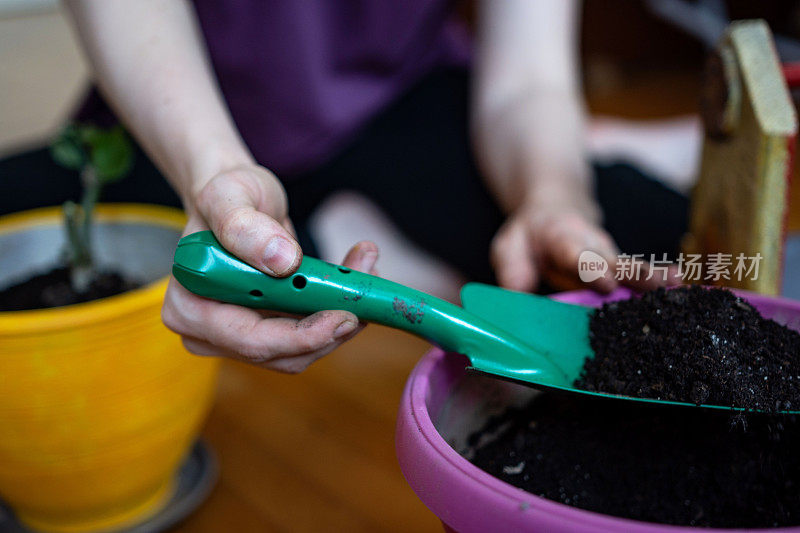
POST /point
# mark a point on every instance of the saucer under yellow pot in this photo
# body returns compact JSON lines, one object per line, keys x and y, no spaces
{"x":99,"y":402}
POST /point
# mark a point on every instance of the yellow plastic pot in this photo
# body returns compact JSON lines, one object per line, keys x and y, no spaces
{"x":99,"y":402}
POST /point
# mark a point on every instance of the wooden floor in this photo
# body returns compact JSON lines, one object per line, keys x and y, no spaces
{"x":315,"y":451}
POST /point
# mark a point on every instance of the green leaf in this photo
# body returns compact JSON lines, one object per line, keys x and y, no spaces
{"x":111,"y":153}
{"x":108,"y":151}
{"x":67,"y":149}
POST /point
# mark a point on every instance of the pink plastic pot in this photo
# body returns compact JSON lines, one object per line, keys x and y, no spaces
{"x":442,"y":405}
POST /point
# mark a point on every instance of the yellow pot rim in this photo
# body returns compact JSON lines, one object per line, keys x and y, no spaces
{"x":76,"y":315}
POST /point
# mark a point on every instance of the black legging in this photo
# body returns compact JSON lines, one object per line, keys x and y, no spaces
{"x":414,"y":160}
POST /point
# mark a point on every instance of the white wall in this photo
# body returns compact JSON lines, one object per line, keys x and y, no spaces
{"x":42,"y":72}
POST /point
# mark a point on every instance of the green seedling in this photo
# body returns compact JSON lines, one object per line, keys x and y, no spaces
{"x":101,"y":156}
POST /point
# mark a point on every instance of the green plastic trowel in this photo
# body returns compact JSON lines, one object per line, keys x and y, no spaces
{"x":516,"y":336}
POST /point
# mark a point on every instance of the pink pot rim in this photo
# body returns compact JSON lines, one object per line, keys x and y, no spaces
{"x":488,"y":490}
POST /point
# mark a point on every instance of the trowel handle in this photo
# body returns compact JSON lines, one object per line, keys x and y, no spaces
{"x":205,"y":268}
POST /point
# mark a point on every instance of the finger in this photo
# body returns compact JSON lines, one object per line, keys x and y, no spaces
{"x":287,"y":338}
{"x":648,"y":278}
{"x":230,"y":208}
{"x":512,"y":259}
{"x":297,"y":364}
{"x":644,"y":278}
{"x":289,"y":365}
{"x":193,"y":224}
{"x":200,"y":347}
{"x":607,"y":283}
{"x":561,"y":280}
{"x":564,"y":251}
{"x":674,"y":276}
{"x":243,"y":332}
{"x":362,"y":257}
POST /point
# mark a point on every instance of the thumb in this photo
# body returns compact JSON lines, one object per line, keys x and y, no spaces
{"x":249,"y":234}
{"x":512,"y":258}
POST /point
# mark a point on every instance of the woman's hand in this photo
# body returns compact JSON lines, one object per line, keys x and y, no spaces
{"x":150,"y":61}
{"x":246,"y":209}
{"x":527,"y":128}
{"x":532,"y":153}
{"x":545,"y":243}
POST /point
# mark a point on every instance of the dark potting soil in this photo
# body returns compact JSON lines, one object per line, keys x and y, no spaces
{"x":669,"y":465}
{"x":704,"y":346}
{"x":53,"y":289}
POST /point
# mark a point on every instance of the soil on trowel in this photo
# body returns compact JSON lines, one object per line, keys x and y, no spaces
{"x":53,"y":289}
{"x":704,"y":346}
{"x":678,"y":466}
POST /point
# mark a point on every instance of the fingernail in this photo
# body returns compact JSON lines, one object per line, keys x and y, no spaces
{"x":368,"y":261}
{"x":279,"y":256}
{"x":344,"y":328}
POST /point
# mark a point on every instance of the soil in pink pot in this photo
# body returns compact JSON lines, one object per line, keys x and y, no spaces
{"x":669,"y":465}
{"x":704,"y":346}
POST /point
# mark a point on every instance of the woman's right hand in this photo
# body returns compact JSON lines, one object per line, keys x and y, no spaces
{"x":246,"y":209}
{"x":150,"y":61}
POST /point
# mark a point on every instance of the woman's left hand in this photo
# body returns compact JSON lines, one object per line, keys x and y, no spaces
{"x":539,"y":243}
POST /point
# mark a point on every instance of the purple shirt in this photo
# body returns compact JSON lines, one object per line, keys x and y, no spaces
{"x":302,"y":76}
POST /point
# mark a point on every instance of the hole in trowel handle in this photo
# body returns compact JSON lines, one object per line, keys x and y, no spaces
{"x":299,"y":282}
{"x":256,"y":292}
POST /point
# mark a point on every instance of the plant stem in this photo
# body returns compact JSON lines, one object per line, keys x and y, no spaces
{"x":78,"y":225}
{"x":91,"y":192}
